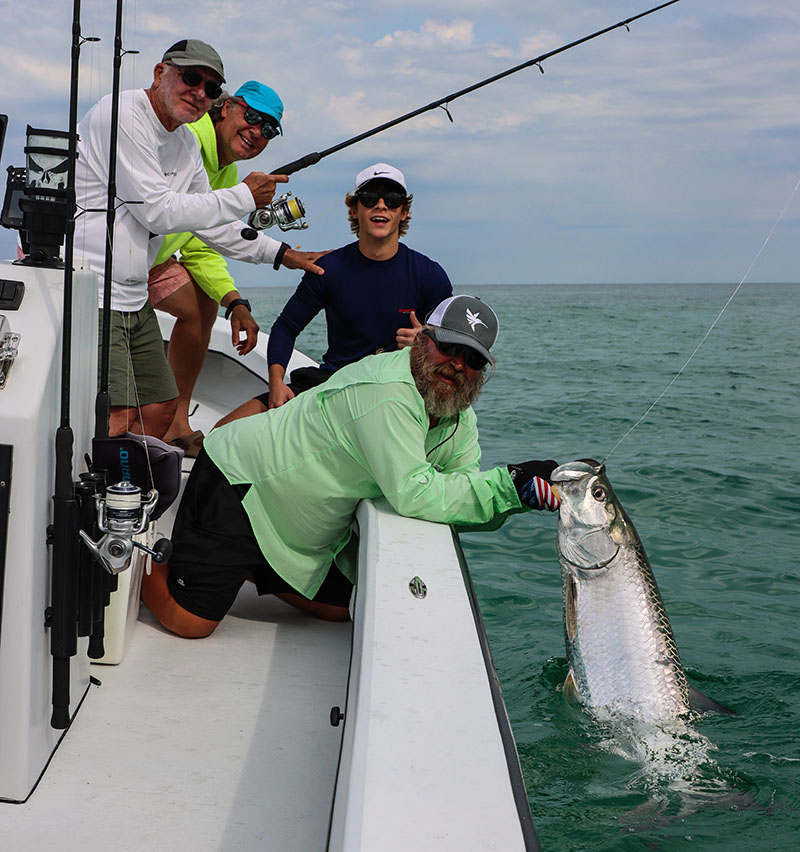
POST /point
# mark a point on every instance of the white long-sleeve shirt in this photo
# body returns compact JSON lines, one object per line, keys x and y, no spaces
{"x":162,"y":188}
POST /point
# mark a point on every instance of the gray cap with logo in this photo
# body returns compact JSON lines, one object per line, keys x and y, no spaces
{"x":192,"y":51}
{"x":466,"y":320}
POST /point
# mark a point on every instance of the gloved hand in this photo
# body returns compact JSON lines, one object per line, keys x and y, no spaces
{"x":532,"y":481}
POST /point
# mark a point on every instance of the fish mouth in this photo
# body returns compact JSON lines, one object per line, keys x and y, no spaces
{"x":597,"y":565}
{"x":576,"y":470}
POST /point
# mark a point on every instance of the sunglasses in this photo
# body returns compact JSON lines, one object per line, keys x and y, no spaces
{"x":193,"y":78}
{"x":472,"y":358}
{"x":392,"y":200}
{"x":269,"y":130}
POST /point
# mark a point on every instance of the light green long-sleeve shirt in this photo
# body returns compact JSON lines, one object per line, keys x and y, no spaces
{"x":206,"y":266}
{"x":364,"y":433}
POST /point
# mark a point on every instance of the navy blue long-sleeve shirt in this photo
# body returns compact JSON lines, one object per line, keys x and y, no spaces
{"x":365,"y":302}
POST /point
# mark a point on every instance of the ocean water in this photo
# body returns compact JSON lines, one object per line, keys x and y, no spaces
{"x":710,"y":480}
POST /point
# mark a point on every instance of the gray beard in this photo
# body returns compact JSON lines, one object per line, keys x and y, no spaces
{"x":442,"y":400}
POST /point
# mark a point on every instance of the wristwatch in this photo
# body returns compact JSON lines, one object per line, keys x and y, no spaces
{"x":233,"y":303}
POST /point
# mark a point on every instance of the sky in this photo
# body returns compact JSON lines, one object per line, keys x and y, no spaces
{"x":663,"y":154}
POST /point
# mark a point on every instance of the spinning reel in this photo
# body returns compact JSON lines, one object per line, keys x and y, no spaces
{"x":121,"y":514}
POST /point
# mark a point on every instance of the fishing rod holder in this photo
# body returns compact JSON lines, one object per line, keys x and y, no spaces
{"x":122,"y":514}
{"x":36,"y":202}
{"x":286,"y":212}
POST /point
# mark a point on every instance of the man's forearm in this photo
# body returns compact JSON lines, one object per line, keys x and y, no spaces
{"x":276,"y":373}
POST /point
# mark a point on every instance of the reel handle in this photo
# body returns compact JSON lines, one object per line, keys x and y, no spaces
{"x":161,"y":552}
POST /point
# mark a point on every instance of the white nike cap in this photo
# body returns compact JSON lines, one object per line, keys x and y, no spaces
{"x":380,"y":171}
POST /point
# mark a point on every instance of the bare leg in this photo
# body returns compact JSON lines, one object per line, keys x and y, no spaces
{"x":157,"y":598}
{"x":195,"y":313}
{"x":327,"y":612}
{"x":153,"y":419}
{"x":246,"y":409}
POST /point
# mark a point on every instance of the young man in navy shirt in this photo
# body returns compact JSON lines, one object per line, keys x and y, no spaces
{"x":375,"y":292}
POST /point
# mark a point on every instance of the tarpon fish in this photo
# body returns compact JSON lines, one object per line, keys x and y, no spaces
{"x":621,"y":652}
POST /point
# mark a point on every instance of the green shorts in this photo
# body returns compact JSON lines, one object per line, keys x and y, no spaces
{"x":138,"y":370}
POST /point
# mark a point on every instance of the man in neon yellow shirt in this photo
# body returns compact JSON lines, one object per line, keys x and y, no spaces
{"x":235,"y":128}
{"x":273,"y":495}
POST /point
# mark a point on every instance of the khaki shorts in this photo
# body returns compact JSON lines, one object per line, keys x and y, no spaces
{"x":138,"y":370}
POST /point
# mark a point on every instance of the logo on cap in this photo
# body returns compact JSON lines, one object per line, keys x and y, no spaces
{"x":475,"y":319}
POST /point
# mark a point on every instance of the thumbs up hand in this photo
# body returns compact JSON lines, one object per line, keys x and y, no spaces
{"x":406,"y":336}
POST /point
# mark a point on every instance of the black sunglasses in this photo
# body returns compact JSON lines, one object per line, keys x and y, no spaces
{"x":269,"y":130}
{"x":392,"y":200}
{"x":472,"y":358}
{"x":193,"y":78}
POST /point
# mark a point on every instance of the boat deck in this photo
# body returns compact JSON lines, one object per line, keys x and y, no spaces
{"x":185,"y":739}
{"x":225,"y":743}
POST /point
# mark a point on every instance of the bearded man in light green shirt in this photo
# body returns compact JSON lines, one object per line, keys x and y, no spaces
{"x":273,"y":496}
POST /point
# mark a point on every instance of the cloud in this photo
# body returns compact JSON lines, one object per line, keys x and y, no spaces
{"x":431,"y":35}
{"x":539,"y":43}
{"x":688,"y":124}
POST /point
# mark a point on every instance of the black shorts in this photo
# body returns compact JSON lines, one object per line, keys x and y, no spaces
{"x":302,"y":379}
{"x":215,"y":550}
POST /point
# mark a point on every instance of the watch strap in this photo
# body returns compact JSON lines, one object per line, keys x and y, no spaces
{"x":233,"y":303}
{"x":279,"y":256}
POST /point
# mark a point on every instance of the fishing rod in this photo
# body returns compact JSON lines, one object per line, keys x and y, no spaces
{"x":103,"y":400}
{"x":62,"y":612}
{"x":316,"y":156}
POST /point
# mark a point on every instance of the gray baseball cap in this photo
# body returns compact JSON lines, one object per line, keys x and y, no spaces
{"x":191,"y":51}
{"x":466,"y":320}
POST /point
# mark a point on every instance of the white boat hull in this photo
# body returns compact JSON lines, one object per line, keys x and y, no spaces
{"x":30,"y":409}
{"x":428,"y":761}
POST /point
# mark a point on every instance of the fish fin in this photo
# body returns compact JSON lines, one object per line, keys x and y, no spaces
{"x":571,"y":608}
{"x":570,"y":689}
{"x":703,"y":704}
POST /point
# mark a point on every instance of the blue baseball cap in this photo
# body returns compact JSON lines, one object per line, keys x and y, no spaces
{"x":261,"y":98}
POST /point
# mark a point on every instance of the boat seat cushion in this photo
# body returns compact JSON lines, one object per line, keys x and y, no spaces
{"x":143,"y":460}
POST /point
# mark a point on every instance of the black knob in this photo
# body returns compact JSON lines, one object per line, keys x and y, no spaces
{"x":162,"y":550}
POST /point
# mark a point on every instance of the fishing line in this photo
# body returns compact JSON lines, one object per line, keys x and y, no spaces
{"x":716,"y":320}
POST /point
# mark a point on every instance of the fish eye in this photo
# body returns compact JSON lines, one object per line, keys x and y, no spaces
{"x":599,"y":493}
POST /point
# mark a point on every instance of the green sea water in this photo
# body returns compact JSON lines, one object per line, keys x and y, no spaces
{"x":710,"y":480}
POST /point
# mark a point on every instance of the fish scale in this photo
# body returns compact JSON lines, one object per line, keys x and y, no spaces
{"x":622,"y":652}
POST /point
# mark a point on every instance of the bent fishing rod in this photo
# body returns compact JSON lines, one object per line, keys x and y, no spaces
{"x":316,"y":156}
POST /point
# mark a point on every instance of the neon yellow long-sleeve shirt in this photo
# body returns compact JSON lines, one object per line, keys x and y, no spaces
{"x":206,"y":266}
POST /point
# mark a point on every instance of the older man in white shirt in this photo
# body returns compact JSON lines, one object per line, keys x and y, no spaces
{"x":162,"y":188}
